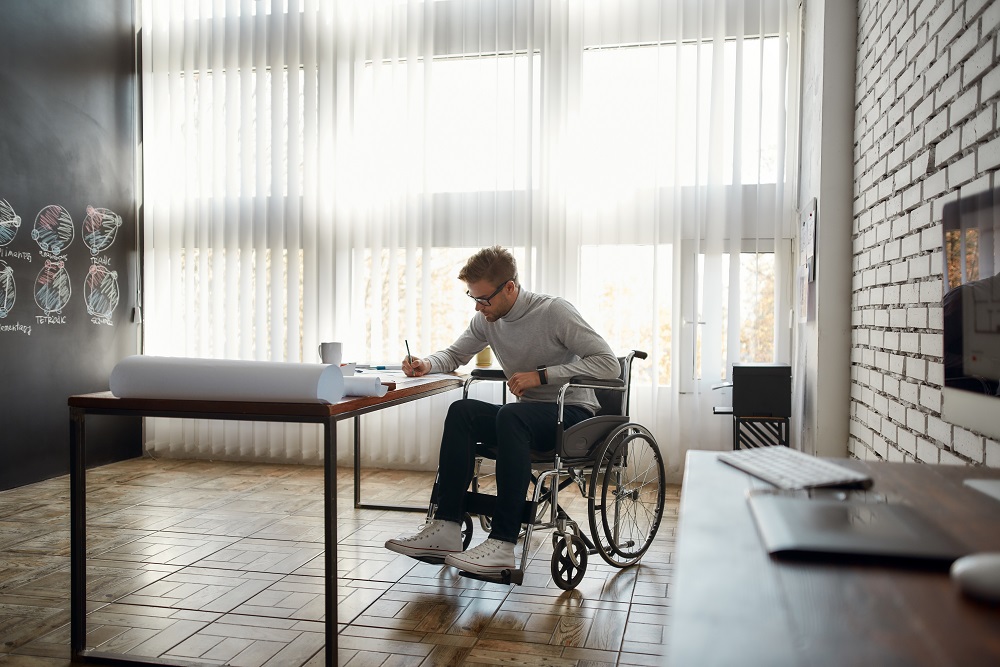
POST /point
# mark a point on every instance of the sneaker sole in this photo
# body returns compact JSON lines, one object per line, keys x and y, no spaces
{"x":484,"y":570}
{"x":418,"y":553}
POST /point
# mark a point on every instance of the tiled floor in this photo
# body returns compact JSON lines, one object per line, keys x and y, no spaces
{"x":221,"y":563}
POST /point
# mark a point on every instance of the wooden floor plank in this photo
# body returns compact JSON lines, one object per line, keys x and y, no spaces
{"x":222,"y":563}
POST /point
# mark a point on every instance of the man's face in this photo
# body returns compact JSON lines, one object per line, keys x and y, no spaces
{"x":500,"y":298}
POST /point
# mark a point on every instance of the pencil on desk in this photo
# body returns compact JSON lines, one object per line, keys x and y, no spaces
{"x":409,"y":357}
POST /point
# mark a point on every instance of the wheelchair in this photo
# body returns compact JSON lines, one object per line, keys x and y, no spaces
{"x":617,"y":467}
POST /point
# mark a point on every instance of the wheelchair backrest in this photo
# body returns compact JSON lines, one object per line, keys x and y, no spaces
{"x":616,"y":402}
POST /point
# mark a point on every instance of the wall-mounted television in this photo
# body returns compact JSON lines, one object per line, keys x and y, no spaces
{"x":971,"y":393}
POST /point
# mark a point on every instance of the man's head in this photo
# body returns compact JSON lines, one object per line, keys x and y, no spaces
{"x":491,"y":277}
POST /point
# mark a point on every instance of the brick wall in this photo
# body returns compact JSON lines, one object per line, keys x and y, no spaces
{"x":928,"y":88}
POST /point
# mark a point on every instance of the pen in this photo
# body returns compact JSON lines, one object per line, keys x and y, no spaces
{"x":409,"y":357}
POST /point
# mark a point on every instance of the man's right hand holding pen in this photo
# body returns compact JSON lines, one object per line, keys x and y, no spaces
{"x":415,"y":367}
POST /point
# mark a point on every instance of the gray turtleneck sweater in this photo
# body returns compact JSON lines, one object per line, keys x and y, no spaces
{"x":539,"y":330}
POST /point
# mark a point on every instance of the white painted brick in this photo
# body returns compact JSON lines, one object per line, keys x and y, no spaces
{"x":935,"y":315}
{"x":964,"y":106}
{"x":918,"y":267}
{"x":892,"y":250}
{"x":930,"y":398}
{"x":895,"y":364}
{"x":980,"y":185}
{"x":916,"y":318}
{"x":897,"y":456}
{"x":947,"y":458}
{"x":921,"y":164}
{"x":964,"y":44}
{"x":883,"y":274}
{"x":935,"y":373}
{"x":992,"y":458}
{"x":990,"y":84}
{"x":911,"y":245}
{"x":991,"y":18}
{"x":939,"y":429}
{"x":932,"y":344}
{"x":930,"y":291}
{"x":948,"y":147}
{"x":989,"y":154}
{"x":880,"y":447}
{"x":982,"y":125}
{"x":916,"y":420}
{"x":962,"y":171}
{"x":916,"y":369}
{"x":897,"y":412}
{"x":909,"y":293}
{"x":897,"y":317}
{"x":975,"y":67}
{"x":909,"y":393}
{"x":927,"y":452}
{"x":891,"y":341}
{"x":935,"y":184}
{"x":930,"y":239}
{"x":969,"y":445}
{"x":880,"y":359}
{"x":880,"y":318}
{"x":906,"y":441}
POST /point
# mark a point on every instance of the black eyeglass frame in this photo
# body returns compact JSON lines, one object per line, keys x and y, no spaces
{"x":485,"y":300}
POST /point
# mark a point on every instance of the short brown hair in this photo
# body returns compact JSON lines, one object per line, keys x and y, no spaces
{"x":494,"y":264}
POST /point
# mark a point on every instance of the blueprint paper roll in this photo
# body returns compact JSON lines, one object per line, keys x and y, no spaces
{"x":142,"y":376}
{"x":367,"y":385}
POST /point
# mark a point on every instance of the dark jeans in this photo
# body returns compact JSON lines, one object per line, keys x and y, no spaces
{"x":512,"y":431}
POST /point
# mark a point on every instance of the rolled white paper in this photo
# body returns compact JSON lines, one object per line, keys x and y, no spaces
{"x":182,"y":378}
{"x":366,"y":385}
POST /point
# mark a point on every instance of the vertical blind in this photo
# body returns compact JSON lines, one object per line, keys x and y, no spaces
{"x":321,"y":169}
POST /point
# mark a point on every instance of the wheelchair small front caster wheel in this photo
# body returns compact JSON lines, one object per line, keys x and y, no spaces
{"x":568,"y":568}
{"x":466,"y":531}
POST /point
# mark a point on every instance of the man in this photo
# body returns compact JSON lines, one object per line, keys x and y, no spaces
{"x":540,"y":342}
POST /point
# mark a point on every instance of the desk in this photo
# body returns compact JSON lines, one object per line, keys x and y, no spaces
{"x":315,"y":413}
{"x":735,"y":605}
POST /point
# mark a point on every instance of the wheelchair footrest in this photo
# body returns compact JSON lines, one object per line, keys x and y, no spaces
{"x":433,"y":560}
{"x":506,"y":577}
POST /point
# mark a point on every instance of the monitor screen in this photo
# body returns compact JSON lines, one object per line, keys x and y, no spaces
{"x":971,"y":305}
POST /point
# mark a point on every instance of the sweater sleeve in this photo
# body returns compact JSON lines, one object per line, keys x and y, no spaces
{"x":596,"y":360}
{"x":459,"y":353}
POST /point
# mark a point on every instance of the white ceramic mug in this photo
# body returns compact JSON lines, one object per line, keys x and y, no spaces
{"x":330,"y":353}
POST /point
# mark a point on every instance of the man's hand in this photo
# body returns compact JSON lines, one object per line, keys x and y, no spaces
{"x":518,"y":383}
{"x":415,"y":367}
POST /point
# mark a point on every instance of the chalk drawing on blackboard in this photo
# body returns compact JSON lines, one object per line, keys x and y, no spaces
{"x":53,"y":229}
{"x":8,"y":290}
{"x":100,"y":290}
{"x":99,"y":228}
{"x":9,"y":222}
{"x":52,"y":288}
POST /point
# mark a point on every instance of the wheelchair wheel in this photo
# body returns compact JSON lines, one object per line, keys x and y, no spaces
{"x":627,"y":490}
{"x":565,"y":572}
{"x":466,"y":531}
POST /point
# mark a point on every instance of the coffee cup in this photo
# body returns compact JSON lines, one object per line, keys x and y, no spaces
{"x":330,"y":353}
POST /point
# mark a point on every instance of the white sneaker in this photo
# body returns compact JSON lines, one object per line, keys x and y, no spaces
{"x":489,"y":558}
{"x":435,"y":540}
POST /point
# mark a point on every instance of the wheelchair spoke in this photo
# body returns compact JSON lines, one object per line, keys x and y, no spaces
{"x":627,"y":509}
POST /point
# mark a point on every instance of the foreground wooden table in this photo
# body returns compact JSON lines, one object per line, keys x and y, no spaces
{"x":328,"y":415}
{"x":735,"y":605}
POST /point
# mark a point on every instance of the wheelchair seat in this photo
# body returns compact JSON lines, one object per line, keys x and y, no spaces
{"x":615,"y":463}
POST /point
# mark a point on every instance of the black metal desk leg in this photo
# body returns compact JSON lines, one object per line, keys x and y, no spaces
{"x":330,"y":536}
{"x":357,"y":462}
{"x":78,"y":533}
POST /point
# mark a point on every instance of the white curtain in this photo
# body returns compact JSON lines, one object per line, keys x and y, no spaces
{"x":319,"y":170}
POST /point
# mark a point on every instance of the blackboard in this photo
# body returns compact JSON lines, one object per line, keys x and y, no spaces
{"x":68,"y":227}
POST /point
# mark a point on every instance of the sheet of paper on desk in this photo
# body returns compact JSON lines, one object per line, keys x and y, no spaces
{"x":364,"y":385}
{"x":184,"y":378}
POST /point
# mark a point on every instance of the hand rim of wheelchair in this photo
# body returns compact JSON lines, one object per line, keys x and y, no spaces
{"x":569,"y":563}
{"x":614,"y":550}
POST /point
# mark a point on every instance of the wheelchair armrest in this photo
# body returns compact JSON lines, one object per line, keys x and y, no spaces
{"x":581,"y":380}
{"x":488,"y":374}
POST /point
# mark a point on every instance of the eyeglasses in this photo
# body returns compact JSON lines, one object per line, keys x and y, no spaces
{"x":485,"y":300}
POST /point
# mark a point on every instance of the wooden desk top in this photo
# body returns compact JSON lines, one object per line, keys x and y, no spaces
{"x":735,"y":605}
{"x":349,"y":406}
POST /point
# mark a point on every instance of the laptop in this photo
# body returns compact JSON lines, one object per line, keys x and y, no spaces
{"x":847,"y":530}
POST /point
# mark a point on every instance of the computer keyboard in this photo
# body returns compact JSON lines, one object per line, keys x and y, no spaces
{"x":789,"y":468}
